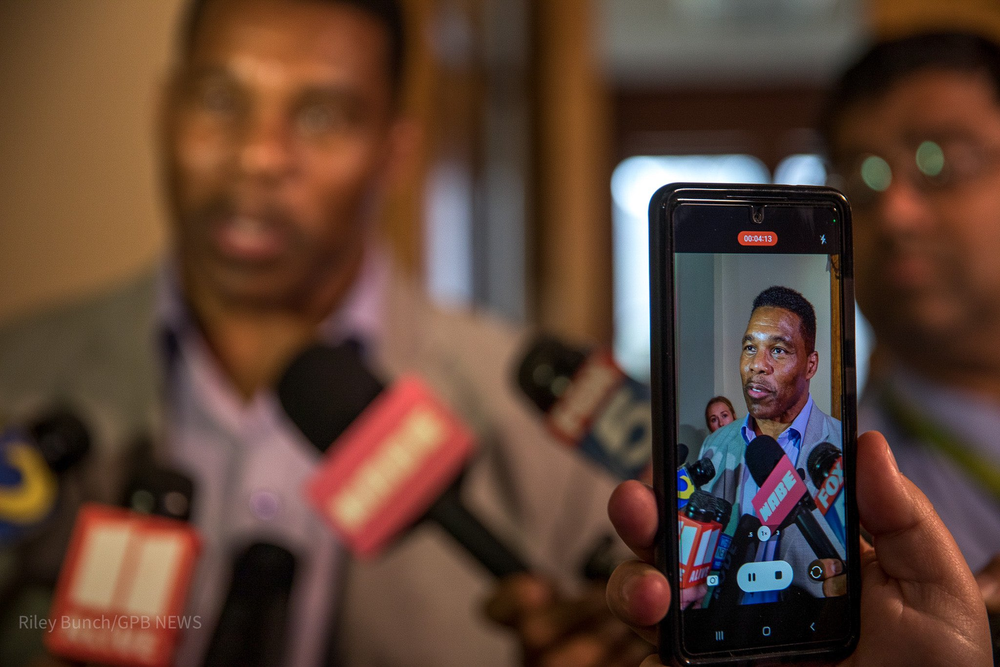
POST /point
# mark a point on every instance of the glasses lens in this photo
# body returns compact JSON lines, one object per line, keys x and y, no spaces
{"x":876,"y":173}
{"x":930,"y":159}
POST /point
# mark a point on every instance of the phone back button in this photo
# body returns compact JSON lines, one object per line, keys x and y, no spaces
{"x":773,"y":575}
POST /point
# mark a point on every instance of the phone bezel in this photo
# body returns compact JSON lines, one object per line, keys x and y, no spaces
{"x":663,"y":380}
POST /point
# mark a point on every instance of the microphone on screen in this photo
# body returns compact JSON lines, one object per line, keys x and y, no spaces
{"x":826,"y":469}
{"x":783,"y":498}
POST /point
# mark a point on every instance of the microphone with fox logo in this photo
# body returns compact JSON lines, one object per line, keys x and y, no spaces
{"x":826,"y":469}
{"x":392,"y":456}
{"x":590,"y":405}
{"x":783,"y":498}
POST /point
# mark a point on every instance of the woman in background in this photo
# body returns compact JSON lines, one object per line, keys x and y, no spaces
{"x":718,"y":413}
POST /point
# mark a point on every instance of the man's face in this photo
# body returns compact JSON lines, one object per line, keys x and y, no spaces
{"x":775,"y":365}
{"x":719,"y":415}
{"x":278,"y":131}
{"x":926,"y":266}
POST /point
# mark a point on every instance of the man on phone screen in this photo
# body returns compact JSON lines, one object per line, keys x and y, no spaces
{"x":777,"y":361}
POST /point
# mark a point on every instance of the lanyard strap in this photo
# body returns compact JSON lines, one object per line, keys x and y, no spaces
{"x":917,"y":426}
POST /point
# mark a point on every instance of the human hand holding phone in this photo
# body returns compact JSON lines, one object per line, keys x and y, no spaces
{"x":558,"y":630}
{"x":920,"y":603}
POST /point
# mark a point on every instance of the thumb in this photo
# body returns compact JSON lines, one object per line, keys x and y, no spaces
{"x":912,"y":543}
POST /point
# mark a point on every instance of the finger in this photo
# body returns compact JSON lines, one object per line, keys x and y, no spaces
{"x":822,"y":569}
{"x":586,"y":615}
{"x":652,"y":661}
{"x":691,"y":595}
{"x":609,"y":643}
{"x":632,"y":509}
{"x":835,"y":586}
{"x":517,"y":596}
{"x":639,"y":595}
{"x":989,"y":585}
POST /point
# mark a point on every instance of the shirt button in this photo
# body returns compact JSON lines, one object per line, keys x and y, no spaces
{"x":265,"y":505}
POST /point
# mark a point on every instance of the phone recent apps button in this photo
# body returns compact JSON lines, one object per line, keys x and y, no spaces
{"x":768,"y":576}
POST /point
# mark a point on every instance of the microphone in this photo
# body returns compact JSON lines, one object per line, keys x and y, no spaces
{"x":124,"y":581}
{"x":253,"y":622}
{"x":31,"y":460}
{"x":826,"y":469}
{"x":590,"y":405}
{"x":742,"y":549}
{"x":699,"y":527}
{"x":782,"y":498}
{"x":396,"y":457}
{"x":690,"y":476}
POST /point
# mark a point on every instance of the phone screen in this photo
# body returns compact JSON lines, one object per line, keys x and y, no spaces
{"x":763,"y":404}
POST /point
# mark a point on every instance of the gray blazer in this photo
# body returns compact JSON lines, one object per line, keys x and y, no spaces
{"x":726,"y":448}
{"x":420,"y":603}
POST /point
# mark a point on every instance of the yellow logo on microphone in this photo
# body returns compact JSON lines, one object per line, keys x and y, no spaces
{"x":34,"y":495}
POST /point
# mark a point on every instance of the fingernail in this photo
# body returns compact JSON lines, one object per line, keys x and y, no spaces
{"x":838,"y":566}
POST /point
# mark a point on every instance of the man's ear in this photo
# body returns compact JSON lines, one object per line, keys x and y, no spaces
{"x":812,"y":364}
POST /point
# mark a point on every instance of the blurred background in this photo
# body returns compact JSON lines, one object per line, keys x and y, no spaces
{"x":548,"y":125}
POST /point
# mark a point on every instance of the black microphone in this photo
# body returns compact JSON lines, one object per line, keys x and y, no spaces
{"x":590,"y":404}
{"x":742,"y":549}
{"x":254,"y":619}
{"x":767,"y":462}
{"x":32,"y":461}
{"x":324,"y":390}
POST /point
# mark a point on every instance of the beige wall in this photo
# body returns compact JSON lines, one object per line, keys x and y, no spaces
{"x":79,"y":203}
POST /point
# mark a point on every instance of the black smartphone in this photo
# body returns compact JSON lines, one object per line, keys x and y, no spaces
{"x":752,"y":303}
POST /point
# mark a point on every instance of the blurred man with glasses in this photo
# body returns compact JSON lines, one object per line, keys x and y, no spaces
{"x":913,"y":131}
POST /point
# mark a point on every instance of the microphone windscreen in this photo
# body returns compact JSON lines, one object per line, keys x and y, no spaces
{"x":546,"y":369}
{"x":62,"y":438}
{"x":324,"y":389}
{"x":762,"y":456}
{"x":262,"y":569}
{"x":160,"y":491}
{"x":821,"y":460}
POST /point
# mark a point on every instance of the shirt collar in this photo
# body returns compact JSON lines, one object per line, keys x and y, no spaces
{"x":797,"y":427}
{"x":359,"y":316}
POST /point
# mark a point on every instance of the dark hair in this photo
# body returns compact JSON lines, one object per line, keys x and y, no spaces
{"x":888,"y":62}
{"x":718,"y":399}
{"x":777,"y":296}
{"x":388,"y":12}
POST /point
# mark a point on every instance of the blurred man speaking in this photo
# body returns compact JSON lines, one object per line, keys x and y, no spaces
{"x":914,"y":130}
{"x":281,"y":129}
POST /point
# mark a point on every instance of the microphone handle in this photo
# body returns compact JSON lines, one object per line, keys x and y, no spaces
{"x":449,"y":513}
{"x":726,"y":594}
{"x":811,"y":530}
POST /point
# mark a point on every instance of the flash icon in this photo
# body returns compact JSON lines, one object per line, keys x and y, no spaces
{"x":822,"y":239}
